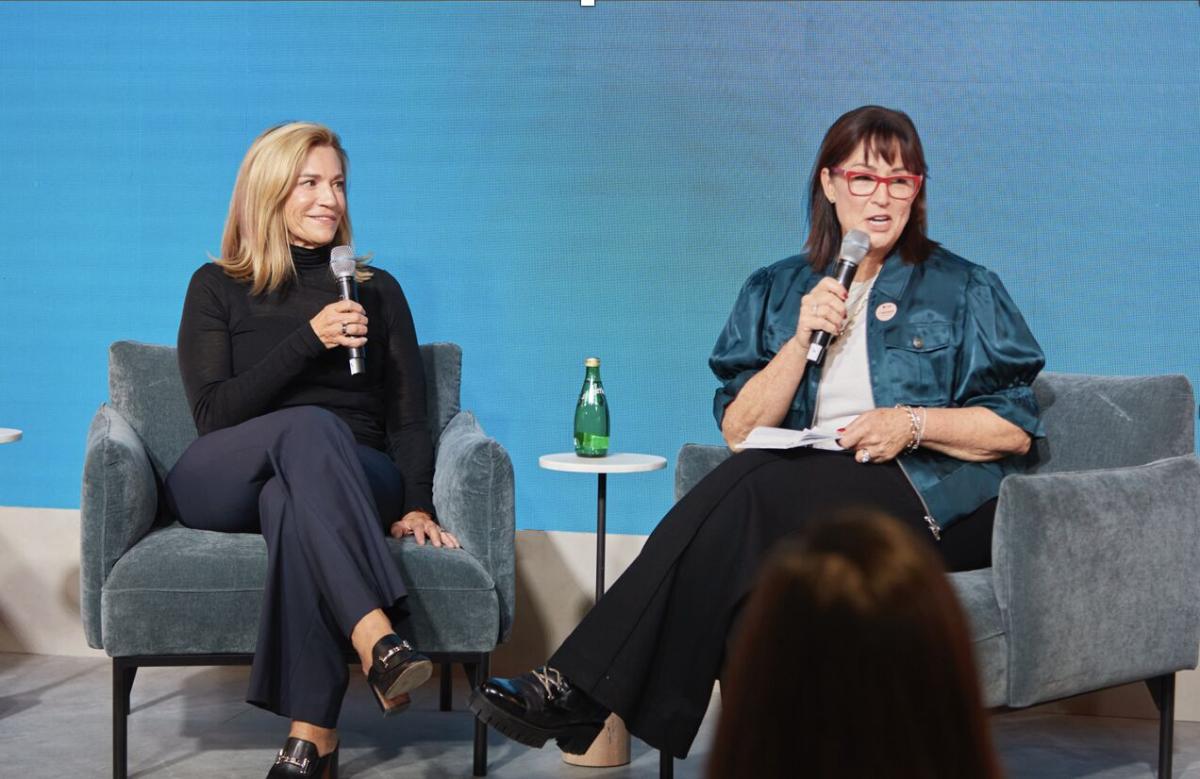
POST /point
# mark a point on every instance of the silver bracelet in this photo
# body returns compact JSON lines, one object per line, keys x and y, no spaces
{"x":916,"y":429}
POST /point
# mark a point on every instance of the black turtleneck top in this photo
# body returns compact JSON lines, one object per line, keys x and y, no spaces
{"x":244,"y":355}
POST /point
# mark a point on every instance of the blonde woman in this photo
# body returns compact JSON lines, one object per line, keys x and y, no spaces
{"x":291,"y":445}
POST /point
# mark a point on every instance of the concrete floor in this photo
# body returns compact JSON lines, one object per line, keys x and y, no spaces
{"x":55,"y":721}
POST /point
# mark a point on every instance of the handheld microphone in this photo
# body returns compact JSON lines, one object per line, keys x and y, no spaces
{"x":341,"y":262}
{"x":854,"y":247}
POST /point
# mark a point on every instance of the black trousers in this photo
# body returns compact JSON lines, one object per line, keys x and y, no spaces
{"x":652,"y":647}
{"x":298,"y":477}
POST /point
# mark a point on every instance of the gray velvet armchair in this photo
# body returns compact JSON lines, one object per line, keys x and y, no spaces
{"x":1095,"y":577}
{"x":155,"y":593}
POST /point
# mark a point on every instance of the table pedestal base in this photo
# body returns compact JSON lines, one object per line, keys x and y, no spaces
{"x":610,"y":748}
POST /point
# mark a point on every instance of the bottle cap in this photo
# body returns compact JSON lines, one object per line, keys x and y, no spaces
{"x":592,"y":362}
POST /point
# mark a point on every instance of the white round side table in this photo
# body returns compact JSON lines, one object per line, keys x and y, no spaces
{"x":8,"y":435}
{"x":611,"y":747}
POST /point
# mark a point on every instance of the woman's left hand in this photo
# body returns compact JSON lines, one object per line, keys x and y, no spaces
{"x":421,"y":526}
{"x":878,"y":435}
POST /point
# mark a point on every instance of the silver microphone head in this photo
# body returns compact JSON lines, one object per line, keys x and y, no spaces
{"x":855,"y":246}
{"x":341,"y":261}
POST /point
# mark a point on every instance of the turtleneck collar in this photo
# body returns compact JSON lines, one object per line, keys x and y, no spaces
{"x":306,"y":259}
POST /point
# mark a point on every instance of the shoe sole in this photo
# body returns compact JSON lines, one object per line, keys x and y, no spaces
{"x":412,"y":677}
{"x":574,"y":740}
{"x":391,"y":710}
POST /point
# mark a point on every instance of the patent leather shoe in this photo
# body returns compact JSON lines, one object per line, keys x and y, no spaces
{"x":396,"y":669}
{"x":299,"y":760}
{"x":538,"y":706}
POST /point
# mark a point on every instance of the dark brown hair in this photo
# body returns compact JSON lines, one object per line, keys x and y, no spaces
{"x":882,"y":130}
{"x":853,"y":661}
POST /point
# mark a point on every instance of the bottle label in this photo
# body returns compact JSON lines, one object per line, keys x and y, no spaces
{"x":591,"y":444}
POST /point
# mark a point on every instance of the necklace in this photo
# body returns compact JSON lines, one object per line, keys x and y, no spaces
{"x":857,"y":305}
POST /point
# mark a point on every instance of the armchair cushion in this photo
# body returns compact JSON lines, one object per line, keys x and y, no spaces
{"x":184,"y":591}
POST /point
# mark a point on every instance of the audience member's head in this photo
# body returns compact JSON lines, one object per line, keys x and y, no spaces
{"x":853,"y":660}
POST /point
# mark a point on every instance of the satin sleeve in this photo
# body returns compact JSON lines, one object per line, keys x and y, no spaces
{"x":999,"y":358}
{"x":740,"y":352}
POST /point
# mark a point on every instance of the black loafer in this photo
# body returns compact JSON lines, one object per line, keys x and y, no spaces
{"x":299,"y":760}
{"x":396,"y":668}
{"x":538,"y":706}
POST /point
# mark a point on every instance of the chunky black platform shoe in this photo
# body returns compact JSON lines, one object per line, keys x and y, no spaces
{"x":299,"y":760}
{"x":538,"y":706}
{"x":396,"y":668}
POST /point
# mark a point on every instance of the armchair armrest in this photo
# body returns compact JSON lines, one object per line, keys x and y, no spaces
{"x":474,"y":497}
{"x":1096,"y":576}
{"x":118,"y":506}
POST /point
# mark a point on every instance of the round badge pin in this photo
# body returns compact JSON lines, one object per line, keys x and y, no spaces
{"x":885,"y":311}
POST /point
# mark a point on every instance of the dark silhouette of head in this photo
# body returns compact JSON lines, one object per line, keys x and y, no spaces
{"x":852,"y":660}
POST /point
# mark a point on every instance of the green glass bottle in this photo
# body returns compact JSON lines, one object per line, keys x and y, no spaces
{"x":591,"y":414}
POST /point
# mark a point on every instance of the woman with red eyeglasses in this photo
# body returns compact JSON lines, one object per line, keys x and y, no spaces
{"x":924,"y":392}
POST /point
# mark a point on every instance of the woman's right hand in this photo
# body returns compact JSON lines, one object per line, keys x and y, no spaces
{"x":342,"y":323}
{"x":824,"y":308}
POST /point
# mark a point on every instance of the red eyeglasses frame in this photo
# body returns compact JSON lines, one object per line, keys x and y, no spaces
{"x":885,"y":180}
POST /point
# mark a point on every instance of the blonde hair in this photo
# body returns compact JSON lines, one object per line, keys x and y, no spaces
{"x":255,"y":243}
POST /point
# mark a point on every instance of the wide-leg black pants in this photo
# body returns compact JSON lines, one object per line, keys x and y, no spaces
{"x":652,"y":647}
{"x":298,"y":477}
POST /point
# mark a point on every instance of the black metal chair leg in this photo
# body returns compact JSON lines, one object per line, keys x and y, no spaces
{"x":482,"y":671}
{"x":1162,"y":689}
{"x":123,"y":675}
{"x":447,"y":682}
{"x":666,"y":765}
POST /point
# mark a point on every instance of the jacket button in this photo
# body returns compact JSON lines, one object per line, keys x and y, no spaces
{"x":918,"y":343}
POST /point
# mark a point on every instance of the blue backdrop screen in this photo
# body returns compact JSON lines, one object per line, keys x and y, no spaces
{"x":551,"y":182}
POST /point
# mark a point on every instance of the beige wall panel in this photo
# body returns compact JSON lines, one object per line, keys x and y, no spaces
{"x":39,"y":582}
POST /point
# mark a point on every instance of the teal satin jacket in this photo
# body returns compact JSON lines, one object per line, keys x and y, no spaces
{"x":942,"y":334}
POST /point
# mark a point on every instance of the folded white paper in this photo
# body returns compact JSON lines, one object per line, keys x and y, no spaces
{"x":783,"y":438}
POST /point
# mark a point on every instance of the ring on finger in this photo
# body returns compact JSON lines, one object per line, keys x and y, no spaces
{"x":344,"y":329}
{"x":864,"y":456}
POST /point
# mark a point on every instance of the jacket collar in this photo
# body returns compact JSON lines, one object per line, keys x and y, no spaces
{"x":893,"y":277}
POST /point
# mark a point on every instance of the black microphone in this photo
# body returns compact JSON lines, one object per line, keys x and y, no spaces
{"x":854,"y":247}
{"x":344,"y":267}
